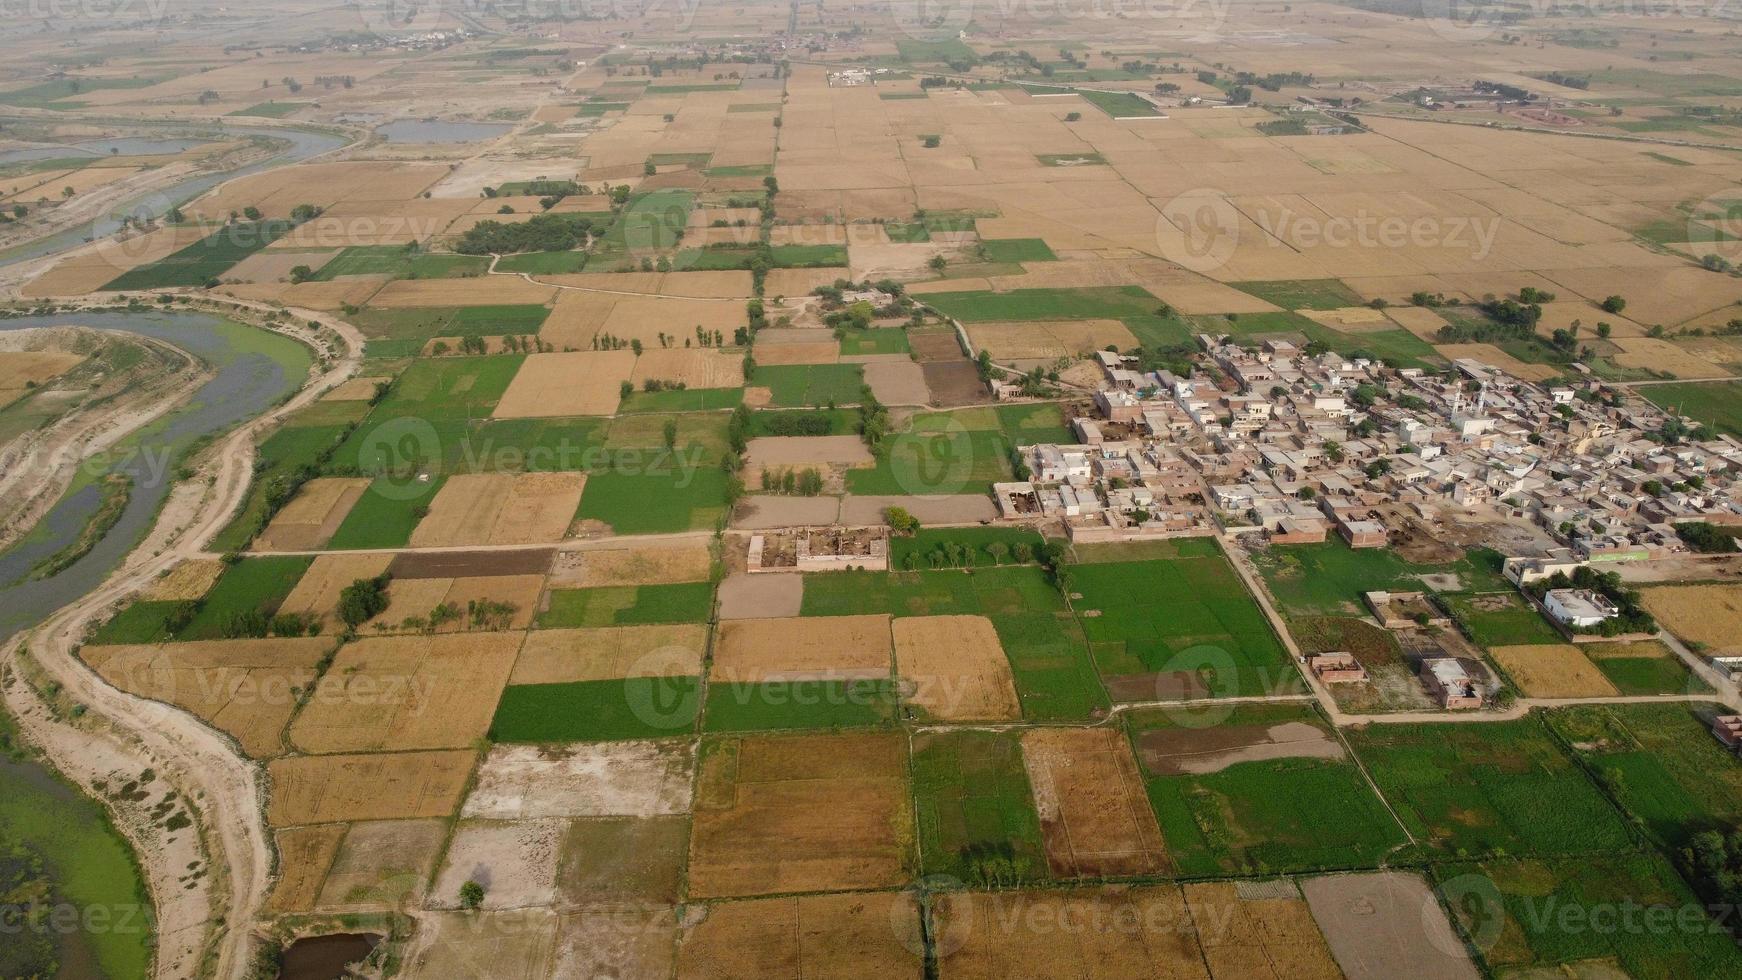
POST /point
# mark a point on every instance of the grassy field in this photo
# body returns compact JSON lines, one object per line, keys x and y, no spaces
{"x":1395,"y":345}
{"x":974,"y":808}
{"x":1660,"y":763}
{"x":687,"y":400}
{"x":877,"y":340}
{"x":1302,"y":294}
{"x":385,"y":515}
{"x":433,"y":416}
{"x":250,"y":585}
{"x":949,"y":49}
{"x":1049,"y":659}
{"x":400,"y":262}
{"x":799,"y":385}
{"x":1501,"y":619}
{"x":1649,"y":670}
{"x":1328,"y":579}
{"x":1187,"y":615}
{"x":1090,"y":302}
{"x":1716,"y":404}
{"x":1119,"y":104}
{"x":628,"y":605}
{"x":800,"y":704}
{"x":204,"y":260}
{"x":1536,"y":935}
{"x":681,"y":495}
{"x":1017,"y":250}
{"x":283,"y":453}
{"x":270,"y":110}
{"x":650,"y":221}
{"x":958,"y":452}
{"x":140,"y":622}
{"x":591,"y":711}
{"x":1504,"y":788}
{"x":1264,"y":816}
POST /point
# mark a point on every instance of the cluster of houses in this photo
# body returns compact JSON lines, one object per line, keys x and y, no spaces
{"x":1301,"y":443}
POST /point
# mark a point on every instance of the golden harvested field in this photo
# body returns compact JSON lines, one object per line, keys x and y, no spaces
{"x":275,"y":192}
{"x":189,"y":580}
{"x":416,"y":599}
{"x":796,"y":347}
{"x":323,"y":789}
{"x":804,"y":813}
{"x":556,"y":385}
{"x":693,"y":367}
{"x":1144,"y":931}
{"x":753,"y":651}
{"x":1495,"y":357}
{"x":610,"y":653}
{"x":501,"y":508}
{"x":317,"y":592}
{"x":1049,"y":339}
{"x":313,"y":515}
{"x":1094,"y":813}
{"x":245,"y":688}
{"x":653,"y":565}
{"x":90,"y":269}
{"x":304,"y":855}
{"x":21,"y":370}
{"x":387,"y":694}
{"x":1262,"y":937}
{"x":1661,"y":355}
{"x":955,"y":668}
{"x":334,"y":295}
{"x":478,"y":291}
{"x":860,"y":935}
{"x":1710,"y":615}
{"x":1553,"y":670}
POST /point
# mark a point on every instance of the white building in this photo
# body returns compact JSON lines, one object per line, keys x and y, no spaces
{"x":1579,"y":607}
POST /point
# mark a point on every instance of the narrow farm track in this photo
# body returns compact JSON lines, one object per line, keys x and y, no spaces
{"x":223,"y":788}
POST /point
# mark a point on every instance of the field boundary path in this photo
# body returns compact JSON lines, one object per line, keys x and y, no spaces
{"x":124,"y":732}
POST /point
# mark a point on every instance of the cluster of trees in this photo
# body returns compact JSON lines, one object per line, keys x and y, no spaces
{"x":26,"y":905}
{"x":1633,"y":617}
{"x":363,"y":600}
{"x":807,"y":482}
{"x":802,"y":423}
{"x":542,"y":233}
{"x":1565,"y":80}
{"x":255,"y":624}
{"x":954,"y":554}
{"x":873,"y":423}
{"x":1712,"y":862}
{"x":1707,"y":539}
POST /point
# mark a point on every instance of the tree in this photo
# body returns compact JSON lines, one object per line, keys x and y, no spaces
{"x":363,"y":600}
{"x":671,"y":433}
{"x":471,"y":896}
{"x":1614,"y":304}
{"x":930,"y":142}
{"x":900,"y":521}
{"x":304,"y":212}
{"x":301,"y":273}
{"x":938,"y":263}
{"x":251,"y":212}
{"x":1603,"y":329}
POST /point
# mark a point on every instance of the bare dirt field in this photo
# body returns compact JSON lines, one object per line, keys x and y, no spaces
{"x":861,"y":935}
{"x":189,"y":580}
{"x":804,"y":813}
{"x":610,"y":653}
{"x":501,"y":508}
{"x":762,"y":511}
{"x":606,"y":779}
{"x":512,"y":945}
{"x":613,"y":862}
{"x":246,"y":688}
{"x":779,"y":454}
{"x":1553,"y":670}
{"x":1385,"y":925}
{"x":514,"y":860}
{"x":746,"y":596}
{"x":386,"y":694}
{"x":577,"y":383}
{"x":898,"y":382}
{"x":955,"y":668}
{"x":753,"y":651}
{"x":382,"y":864}
{"x":961,"y":508}
{"x":954,"y":383}
{"x":324,"y":789}
{"x":311,"y":517}
{"x":22,"y":370}
{"x":1094,"y":813}
{"x":624,"y":945}
{"x":1710,"y":615}
{"x":652,"y":565}
{"x":1172,"y":751}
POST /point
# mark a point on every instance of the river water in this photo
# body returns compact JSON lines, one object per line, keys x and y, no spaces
{"x":153,"y":204}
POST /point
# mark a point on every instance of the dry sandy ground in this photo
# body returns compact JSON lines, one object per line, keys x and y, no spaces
{"x":610,"y":653}
{"x":755,"y":651}
{"x":1385,"y":925}
{"x":607,"y":779}
{"x":898,"y":382}
{"x":515,"y":861}
{"x":1175,"y":751}
{"x":761,"y":596}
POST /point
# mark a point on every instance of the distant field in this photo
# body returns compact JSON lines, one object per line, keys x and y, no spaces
{"x":400,"y":262}
{"x":250,"y":586}
{"x":629,"y":605}
{"x":1328,"y":579}
{"x":1094,"y":302}
{"x":205,"y":260}
{"x":1017,"y":250}
{"x":1303,"y":294}
{"x":799,"y":385}
{"x":958,"y":452}
{"x":1717,"y":404}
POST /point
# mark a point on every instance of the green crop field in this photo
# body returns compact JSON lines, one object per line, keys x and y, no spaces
{"x":681,"y":494}
{"x":1049,"y":660}
{"x":628,"y":605}
{"x":1644,"y":668}
{"x":281,"y":455}
{"x":686,"y":400}
{"x":877,"y":340}
{"x":974,"y":808}
{"x":403,"y":332}
{"x":1189,"y":616}
{"x":270,"y":110}
{"x":799,"y":385}
{"x":1017,"y":250}
{"x":1302,"y":294}
{"x":1501,"y":619}
{"x":1119,"y":104}
{"x":949,"y":49}
{"x":427,"y":418}
{"x":1499,"y":788}
{"x":386,"y":514}
{"x":800,"y":704}
{"x":1716,"y":404}
{"x":1090,"y":302}
{"x":204,"y":260}
{"x":1395,"y":345}
{"x":252,"y":585}
{"x":650,"y":221}
{"x":958,"y":452}
{"x":585,"y":711}
{"x":1588,"y":916}
{"x":1660,"y":763}
{"x":139,"y":622}
{"x":1265,"y":816}
{"x":401,"y":262}
{"x":1328,"y":579}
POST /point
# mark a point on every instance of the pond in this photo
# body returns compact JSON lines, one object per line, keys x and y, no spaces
{"x":325,"y":957}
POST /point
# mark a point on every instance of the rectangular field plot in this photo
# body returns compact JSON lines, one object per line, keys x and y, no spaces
{"x":800,"y":813}
{"x":501,"y":508}
{"x":1328,"y":579}
{"x":1178,"y":628}
{"x":975,"y":809}
{"x":581,"y":711}
{"x":614,"y":779}
{"x":330,"y":788}
{"x":204,"y":260}
{"x":801,"y":385}
{"x":1487,"y":789}
{"x":1268,"y":789}
{"x":1089,"y":795}
{"x":311,"y":518}
{"x":863,"y":935}
{"x":953,"y":668}
{"x":245,"y":598}
{"x":628,"y":605}
{"x":1643,"y":668}
{"x":414,"y":692}
{"x":1049,"y":660}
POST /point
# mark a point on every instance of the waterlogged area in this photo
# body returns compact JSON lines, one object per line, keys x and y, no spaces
{"x":152,"y":204}
{"x":254,"y":369}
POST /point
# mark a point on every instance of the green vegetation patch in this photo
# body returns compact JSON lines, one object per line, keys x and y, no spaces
{"x":1328,"y":579}
{"x":287,"y":456}
{"x":1715,"y":404}
{"x":400,"y":262}
{"x":1120,"y":104}
{"x":270,"y":110}
{"x":941,"y":51}
{"x":1501,"y":619}
{"x":876,"y":340}
{"x":1049,"y":658}
{"x":594,"y":711}
{"x":1302,"y":294}
{"x":651,"y":221}
{"x":991,"y":545}
{"x":1500,"y":788}
{"x":140,"y":622}
{"x":800,"y":704}
{"x":386,"y":514}
{"x":1017,"y":250}
{"x":252,"y":587}
{"x":799,"y":385}
{"x":684,"y":400}
{"x":957,"y":452}
{"x":628,"y":605}
{"x":205,"y":260}
{"x":679,"y":159}
{"x":974,"y":808}
{"x":543,"y":263}
{"x":1221,"y":814}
